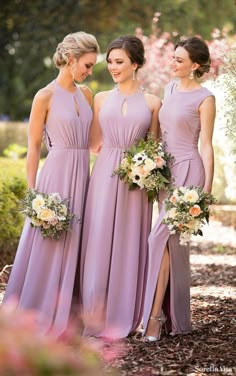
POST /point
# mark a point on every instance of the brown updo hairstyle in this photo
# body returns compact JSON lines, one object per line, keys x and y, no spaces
{"x":76,"y":45}
{"x":198,"y":52}
{"x":132,"y":45}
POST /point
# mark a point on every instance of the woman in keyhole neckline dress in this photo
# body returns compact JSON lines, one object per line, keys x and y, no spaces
{"x":117,"y":221}
{"x":42,"y":278}
{"x":187,"y":115}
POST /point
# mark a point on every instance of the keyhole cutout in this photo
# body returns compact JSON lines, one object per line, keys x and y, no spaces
{"x":124,"y":108}
{"x":76,"y":107}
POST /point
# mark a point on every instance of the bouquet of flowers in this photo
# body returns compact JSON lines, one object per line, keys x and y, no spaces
{"x":187,"y":210}
{"x":145,"y":165}
{"x":48,"y":212}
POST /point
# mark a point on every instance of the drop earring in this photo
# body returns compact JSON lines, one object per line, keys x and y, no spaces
{"x":133,"y":76}
{"x":191,"y":76}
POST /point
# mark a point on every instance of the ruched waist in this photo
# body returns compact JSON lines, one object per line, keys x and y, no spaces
{"x":64,"y":147}
{"x":181,"y":157}
{"x":116,"y":147}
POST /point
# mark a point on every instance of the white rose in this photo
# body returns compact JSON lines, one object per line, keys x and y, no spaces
{"x":191,"y":196}
{"x":46,"y":215}
{"x":149,"y":164}
{"x":38,"y":203}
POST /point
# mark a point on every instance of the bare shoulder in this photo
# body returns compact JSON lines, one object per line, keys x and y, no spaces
{"x":44,"y":95}
{"x":153,"y":101}
{"x":208,"y":103}
{"x":100,"y":97}
{"x":87,"y":93}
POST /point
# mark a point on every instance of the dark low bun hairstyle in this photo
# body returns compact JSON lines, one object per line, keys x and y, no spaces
{"x":198,"y":52}
{"x":132,"y":45}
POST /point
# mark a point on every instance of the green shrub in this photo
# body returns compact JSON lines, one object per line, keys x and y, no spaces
{"x":12,"y":189}
{"x":15,"y":151}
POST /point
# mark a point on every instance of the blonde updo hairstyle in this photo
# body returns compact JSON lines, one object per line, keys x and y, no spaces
{"x":75,"y":45}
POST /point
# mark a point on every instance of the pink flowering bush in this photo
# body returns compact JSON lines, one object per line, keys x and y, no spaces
{"x":24,"y":352}
{"x":159,"y":50}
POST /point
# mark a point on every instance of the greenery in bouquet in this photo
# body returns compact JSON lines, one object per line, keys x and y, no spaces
{"x":49,"y":212}
{"x":146,"y":166}
{"x":187,"y":210}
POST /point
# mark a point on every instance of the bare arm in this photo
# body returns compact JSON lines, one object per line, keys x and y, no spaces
{"x":207,"y":117}
{"x":95,"y":134}
{"x":154,"y":104}
{"x":36,"y":124}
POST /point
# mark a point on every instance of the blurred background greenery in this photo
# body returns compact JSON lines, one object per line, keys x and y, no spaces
{"x":31,"y":30}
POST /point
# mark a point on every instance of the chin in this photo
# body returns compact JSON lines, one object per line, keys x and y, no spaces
{"x":116,"y":80}
{"x":175,"y":75}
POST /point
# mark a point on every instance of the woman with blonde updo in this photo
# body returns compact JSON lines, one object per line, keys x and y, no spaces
{"x":43,"y":274}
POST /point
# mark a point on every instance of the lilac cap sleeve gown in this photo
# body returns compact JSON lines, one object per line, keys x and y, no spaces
{"x":42,"y":278}
{"x":116,"y":226}
{"x":180,"y":127}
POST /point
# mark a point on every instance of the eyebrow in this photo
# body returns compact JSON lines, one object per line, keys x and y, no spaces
{"x":178,"y":57}
{"x":116,"y":58}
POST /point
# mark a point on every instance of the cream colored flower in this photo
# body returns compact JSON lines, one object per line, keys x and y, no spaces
{"x":139,"y":170}
{"x":172,"y":213}
{"x":46,"y":215}
{"x":149,"y":164}
{"x":191,"y":196}
{"x":195,"y":210}
{"x":138,"y":176}
{"x":124,"y":163}
{"x":191,"y":225}
{"x":38,"y":203}
{"x":182,"y":189}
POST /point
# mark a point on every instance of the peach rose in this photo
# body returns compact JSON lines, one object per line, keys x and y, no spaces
{"x":160,"y":162}
{"x":195,"y":210}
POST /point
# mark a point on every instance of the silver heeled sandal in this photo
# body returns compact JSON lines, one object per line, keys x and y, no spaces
{"x":162,"y":320}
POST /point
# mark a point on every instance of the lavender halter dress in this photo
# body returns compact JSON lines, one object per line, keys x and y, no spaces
{"x":42,"y":278}
{"x":180,"y":127}
{"x":116,"y":227}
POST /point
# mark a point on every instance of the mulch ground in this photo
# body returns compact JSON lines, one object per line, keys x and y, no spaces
{"x":211,"y":348}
